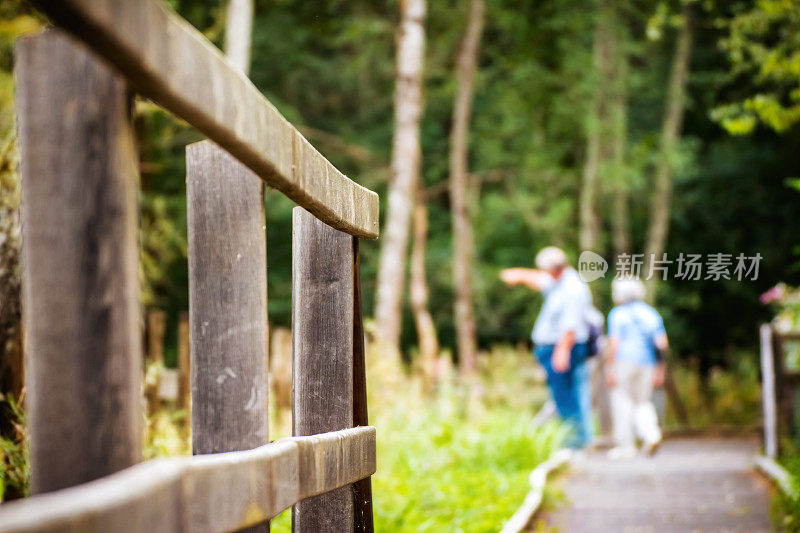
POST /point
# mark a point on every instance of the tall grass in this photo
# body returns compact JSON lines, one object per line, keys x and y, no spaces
{"x":727,"y":397}
{"x":459,"y":459}
{"x":14,"y":471}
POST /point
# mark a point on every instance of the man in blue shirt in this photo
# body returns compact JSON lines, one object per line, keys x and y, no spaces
{"x":560,"y":336}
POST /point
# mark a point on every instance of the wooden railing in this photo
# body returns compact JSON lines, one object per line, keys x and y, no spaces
{"x":80,"y":288}
{"x":217,"y":492}
{"x":780,"y":390}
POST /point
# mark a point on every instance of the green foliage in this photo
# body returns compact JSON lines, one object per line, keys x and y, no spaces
{"x":14,"y":471}
{"x":785,"y":509}
{"x":439,"y":459}
{"x":329,"y":67}
{"x":442,"y":471}
{"x":764,"y":43}
{"x":726,"y":398}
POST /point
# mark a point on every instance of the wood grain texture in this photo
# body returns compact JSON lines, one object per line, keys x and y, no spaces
{"x":172,"y":63}
{"x":204,"y":493}
{"x":334,"y":459}
{"x":80,"y":285}
{"x":242,"y":488}
{"x":141,"y":499}
{"x":227,"y":302}
{"x":322,"y":333}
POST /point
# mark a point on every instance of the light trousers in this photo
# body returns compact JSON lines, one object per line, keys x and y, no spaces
{"x":632,"y":409}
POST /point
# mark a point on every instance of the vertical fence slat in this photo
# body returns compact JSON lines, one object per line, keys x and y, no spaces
{"x":768,"y":392}
{"x":184,"y":365}
{"x":155,"y":328}
{"x":227,"y":302}
{"x":362,"y":490}
{"x":322,"y":334}
{"x":79,"y":263}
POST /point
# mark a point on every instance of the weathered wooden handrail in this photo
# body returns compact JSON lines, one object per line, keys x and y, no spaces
{"x":79,"y":164}
{"x":218,"y":492}
{"x":169,"y":61}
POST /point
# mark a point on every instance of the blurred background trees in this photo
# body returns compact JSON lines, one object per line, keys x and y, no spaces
{"x":575,"y":138}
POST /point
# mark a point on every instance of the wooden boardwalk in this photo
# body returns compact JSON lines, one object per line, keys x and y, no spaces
{"x":699,"y":485}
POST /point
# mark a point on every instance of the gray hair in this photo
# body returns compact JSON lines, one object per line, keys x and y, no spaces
{"x":551,"y":258}
{"x":627,"y":289}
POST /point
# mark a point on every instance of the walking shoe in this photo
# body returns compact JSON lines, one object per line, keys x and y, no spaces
{"x":650,"y":448}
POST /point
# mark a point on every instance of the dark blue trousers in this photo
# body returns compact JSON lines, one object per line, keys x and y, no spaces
{"x":572,"y":392}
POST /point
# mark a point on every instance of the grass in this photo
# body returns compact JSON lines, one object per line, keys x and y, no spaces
{"x":14,"y":471}
{"x":784,"y":510}
{"x":727,"y":398}
{"x":455,"y":461}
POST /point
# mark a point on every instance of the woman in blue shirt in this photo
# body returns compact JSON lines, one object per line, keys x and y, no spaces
{"x":637,"y":339}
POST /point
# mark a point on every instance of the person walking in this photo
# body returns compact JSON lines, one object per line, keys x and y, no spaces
{"x":637,"y":341}
{"x":560,"y":336}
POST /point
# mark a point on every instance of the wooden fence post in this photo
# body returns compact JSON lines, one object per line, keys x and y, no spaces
{"x":322,"y":333}
{"x":156,"y":328}
{"x":362,"y":490}
{"x":227,"y":303}
{"x":768,"y":392}
{"x":80,"y":285}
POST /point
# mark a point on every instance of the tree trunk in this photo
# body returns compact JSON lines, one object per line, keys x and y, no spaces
{"x":418,"y":290}
{"x":238,"y":33}
{"x":597,"y":123}
{"x":670,"y":133}
{"x":405,"y":171}
{"x":462,"y":225}
{"x":620,"y":221}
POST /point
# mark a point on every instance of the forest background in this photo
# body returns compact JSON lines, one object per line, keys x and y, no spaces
{"x":570,"y":133}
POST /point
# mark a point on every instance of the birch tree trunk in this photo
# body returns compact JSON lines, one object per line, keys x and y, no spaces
{"x":620,"y":221}
{"x":418,"y":289}
{"x":405,"y":171}
{"x":598,"y":118}
{"x":670,"y":134}
{"x":238,"y":33}
{"x":462,"y":224}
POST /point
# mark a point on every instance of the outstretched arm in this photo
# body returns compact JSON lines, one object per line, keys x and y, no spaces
{"x":530,"y":277}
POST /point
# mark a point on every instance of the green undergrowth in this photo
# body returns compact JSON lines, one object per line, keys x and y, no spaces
{"x":455,"y":460}
{"x":785,"y":509}
{"x":726,"y":398}
{"x":14,"y":471}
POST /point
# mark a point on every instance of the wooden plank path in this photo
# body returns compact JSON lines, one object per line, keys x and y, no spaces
{"x":698,"y":484}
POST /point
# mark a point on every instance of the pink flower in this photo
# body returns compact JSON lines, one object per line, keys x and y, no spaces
{"x":775,"y":294}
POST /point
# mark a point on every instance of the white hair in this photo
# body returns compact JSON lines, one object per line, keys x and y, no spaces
{"x":628,"y":289}
{"x":551,"y":258}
